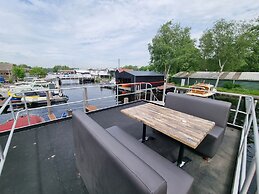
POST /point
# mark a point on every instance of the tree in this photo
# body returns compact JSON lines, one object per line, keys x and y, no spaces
{"x":248,"y":42}
{"x":18,"y":72}
{"x":219,"y":47}
{"x":133,"y":67}
{"x":172,"y":48}
{"x":56,"y":68}
{"x":38,"y":71}
{"x":144,"y":68}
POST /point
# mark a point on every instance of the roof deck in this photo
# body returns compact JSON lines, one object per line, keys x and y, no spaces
{"x":41,"y":158}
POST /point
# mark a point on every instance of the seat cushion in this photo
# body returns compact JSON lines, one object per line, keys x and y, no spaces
{"x":178,"y":181}
{"x":213,"y":110}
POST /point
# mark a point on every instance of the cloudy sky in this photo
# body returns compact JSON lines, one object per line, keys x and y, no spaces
{"x":96,"y":33}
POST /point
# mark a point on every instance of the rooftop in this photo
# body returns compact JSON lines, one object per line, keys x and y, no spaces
{"x":6,"y":66}
{"x":145,"y":73}
{"x":41,"y":158}
{"x":249,"y":76}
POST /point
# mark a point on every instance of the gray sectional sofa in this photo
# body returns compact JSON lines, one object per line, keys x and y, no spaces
{"x":111,"y":161}
{"x":213,"y":110}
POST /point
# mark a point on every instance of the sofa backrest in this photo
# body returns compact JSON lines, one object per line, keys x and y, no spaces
{"x":213,"y":110}
{"x":106,"y":166}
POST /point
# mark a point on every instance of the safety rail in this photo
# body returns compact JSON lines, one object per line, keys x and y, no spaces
{"x":243,"y":174}
{"x":84,"y":102}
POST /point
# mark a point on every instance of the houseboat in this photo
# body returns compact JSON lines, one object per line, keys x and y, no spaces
{"x":100,"y":152}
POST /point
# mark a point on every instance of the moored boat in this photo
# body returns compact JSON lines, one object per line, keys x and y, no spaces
{"x":22,"y":121}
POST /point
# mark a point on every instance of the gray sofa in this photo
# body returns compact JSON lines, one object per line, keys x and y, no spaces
{"x":112,"y":161}
{"x":213,"y":110}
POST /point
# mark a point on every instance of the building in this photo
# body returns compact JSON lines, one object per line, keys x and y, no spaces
{"x":248,"y":80}
{"x":156,"y":79}
{"x":6,"y":70}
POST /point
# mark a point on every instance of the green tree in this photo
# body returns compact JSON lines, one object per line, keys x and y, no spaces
{"x":25,"y":66}
{"x":248,"y":43}
{"x":38,"y":71}
{"x":133,"y":67}
{"x":144,"y":68}
{"x":18,"y":72}
{"x":219,"y":47}
{"x":172,"y":48}
{"x":56,"y":68}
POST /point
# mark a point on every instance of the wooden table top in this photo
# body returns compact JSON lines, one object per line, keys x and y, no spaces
{"x":187,"y":129}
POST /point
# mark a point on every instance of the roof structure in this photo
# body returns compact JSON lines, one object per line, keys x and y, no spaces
{"x":145,"y":73}
{"x":6,"y":66}
{"x":123,"y":69}
{"x":244,"y":76}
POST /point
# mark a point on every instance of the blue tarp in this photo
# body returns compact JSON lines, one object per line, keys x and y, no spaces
{"x":2,"y":79}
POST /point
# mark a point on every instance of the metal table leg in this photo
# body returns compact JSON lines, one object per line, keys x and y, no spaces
{"x":181,"y":161}
{"x":144,"y":137}
{"x":144,"y":133}
{"x":180,"y":155}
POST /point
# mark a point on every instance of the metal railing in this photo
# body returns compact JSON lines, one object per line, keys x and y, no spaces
{"x":84,"y":102}
{"x":243,"y":175}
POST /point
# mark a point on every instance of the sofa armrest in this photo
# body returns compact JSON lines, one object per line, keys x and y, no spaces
{"x":178,"y":181}
{"x":107,"y":166}
{"x":209,"y":146}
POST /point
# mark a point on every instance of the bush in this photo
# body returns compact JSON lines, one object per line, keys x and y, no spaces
{"x":230,"y":85}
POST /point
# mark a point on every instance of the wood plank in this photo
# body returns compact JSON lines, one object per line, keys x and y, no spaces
{"x":52,"y":116}
{"x":187,"y":129}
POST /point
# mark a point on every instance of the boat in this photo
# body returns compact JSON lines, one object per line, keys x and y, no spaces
{"x":202,"y":90}
{"x":38,"y":98}
{"x":22,"y":121}
{"x":34,"y":92}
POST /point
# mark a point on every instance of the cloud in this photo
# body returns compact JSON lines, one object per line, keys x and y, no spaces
{"x":96,"y":33}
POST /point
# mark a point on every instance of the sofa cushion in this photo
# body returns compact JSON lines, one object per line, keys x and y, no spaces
{"x":178,"y":181}
{"x":106,"y":166}
{"x":213,"y":110}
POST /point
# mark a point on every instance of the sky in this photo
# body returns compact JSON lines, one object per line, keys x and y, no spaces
{"x":96,"y":33}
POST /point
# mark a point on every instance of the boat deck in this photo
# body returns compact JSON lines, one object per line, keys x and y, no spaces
{"x":41,"y":158}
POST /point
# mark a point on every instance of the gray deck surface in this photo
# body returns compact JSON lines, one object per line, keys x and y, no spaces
{"x":41,"y":159}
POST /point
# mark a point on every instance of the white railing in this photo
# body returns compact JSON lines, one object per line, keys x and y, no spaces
{"x":84,"y":102}
{"x":244,"y":174}
{"x":242,"y":178}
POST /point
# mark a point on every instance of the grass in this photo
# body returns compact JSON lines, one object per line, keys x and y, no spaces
{"x":239,"y":91}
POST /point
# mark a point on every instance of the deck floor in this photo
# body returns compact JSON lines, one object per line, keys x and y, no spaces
{"x":41,"y":159}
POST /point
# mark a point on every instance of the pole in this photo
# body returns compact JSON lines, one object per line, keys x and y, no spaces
{"x":48,"y":102}
{"x":85,"y":98}
{"x":256,"y":139}
{"x":26,"y":108}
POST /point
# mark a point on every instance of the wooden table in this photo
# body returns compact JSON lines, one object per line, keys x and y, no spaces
{"x":187,"y":129}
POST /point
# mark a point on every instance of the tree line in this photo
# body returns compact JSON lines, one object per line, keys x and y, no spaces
{"x":19,"y":71}
{"x":227,"y":46}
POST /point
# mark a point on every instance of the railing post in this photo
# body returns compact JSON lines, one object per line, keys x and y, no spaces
{"x":256,"y":139}
{"x":85,"y":99}
{"x":26,"y":108}
{"x":151,"y":93}
{"x":48,"y":102}
{"x":117,"y":94}
{"x":250,"y":175}
{"x":146,"y":92}
{"x":246,"y":128}
{"x":12,"y":111}
{"x":238,"y":105}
